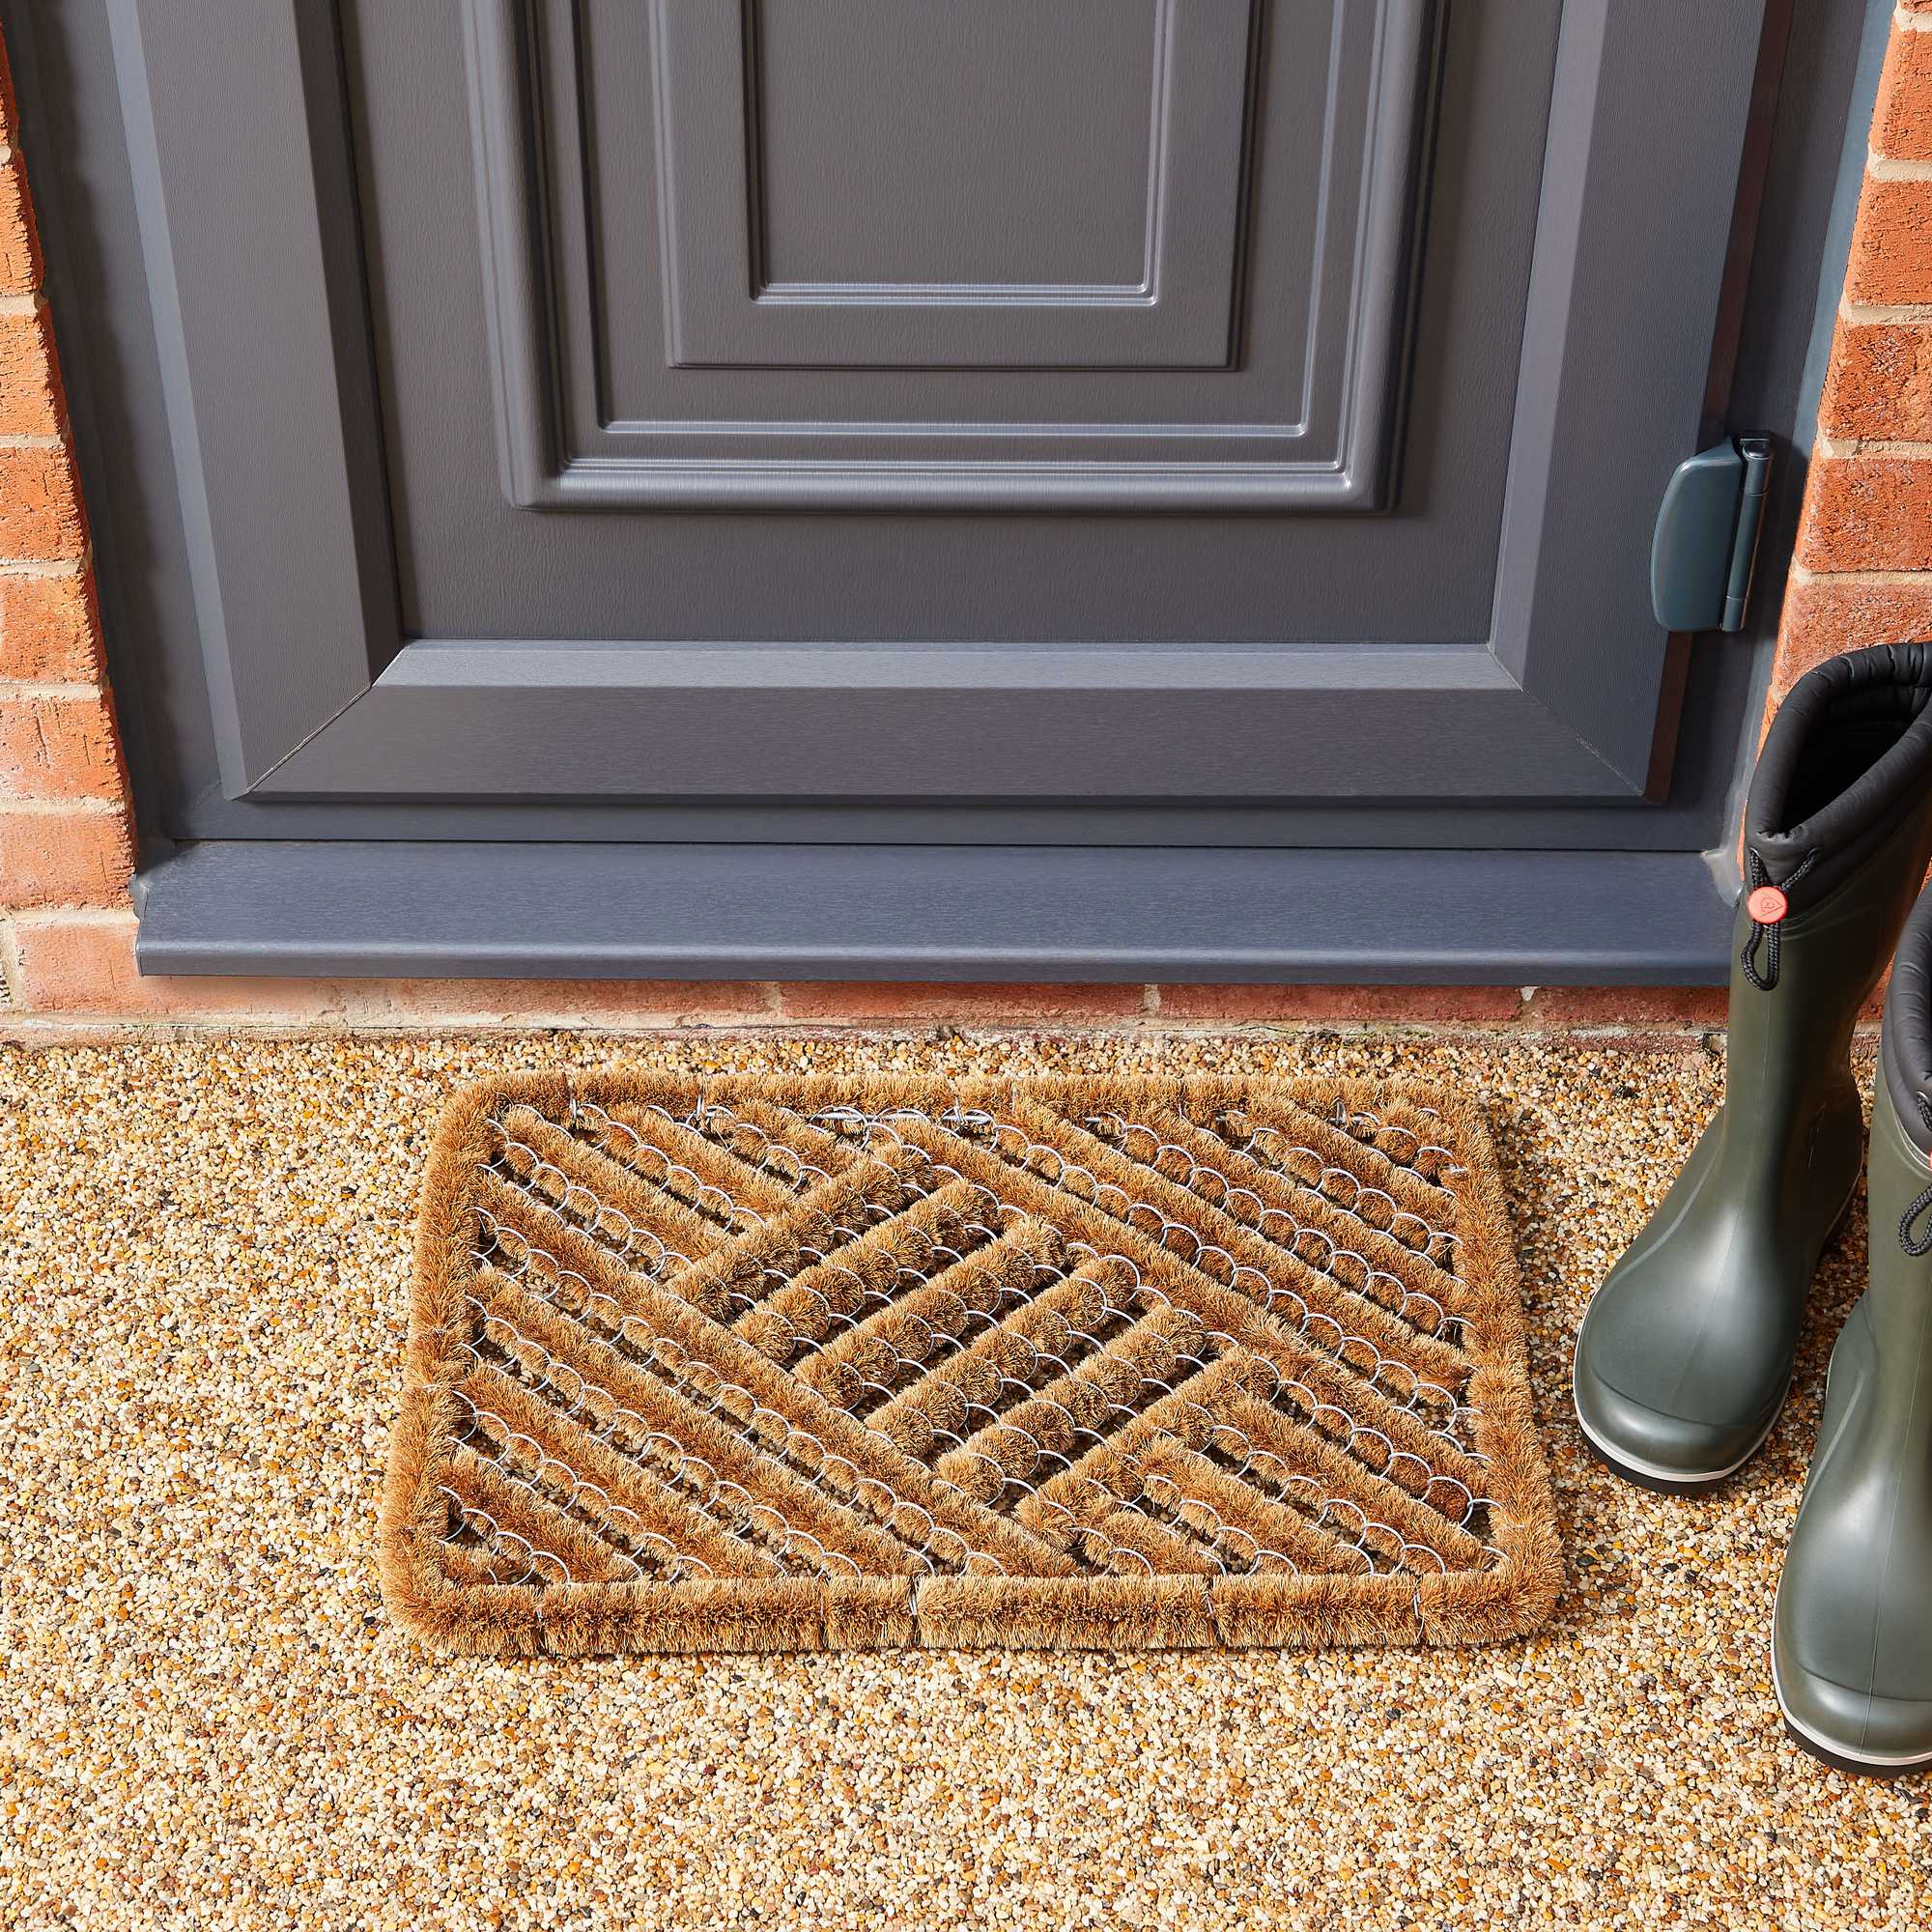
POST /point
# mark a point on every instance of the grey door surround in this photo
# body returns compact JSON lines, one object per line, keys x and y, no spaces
{"x":359,"y":730}
{"x":318,"y":694}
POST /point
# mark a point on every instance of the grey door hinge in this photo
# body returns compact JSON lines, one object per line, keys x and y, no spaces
{"x":1706,"y":540}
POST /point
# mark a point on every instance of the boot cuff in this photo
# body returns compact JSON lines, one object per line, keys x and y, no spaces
{"x":1905,"y":1054}
{"x":1849,"y":753}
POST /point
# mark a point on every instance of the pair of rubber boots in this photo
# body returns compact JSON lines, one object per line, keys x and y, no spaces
{"x":1686,"y":1353}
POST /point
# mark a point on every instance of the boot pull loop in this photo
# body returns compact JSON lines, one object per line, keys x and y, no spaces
{"x":1767,"y":905}
{"x":1921,"y":1244}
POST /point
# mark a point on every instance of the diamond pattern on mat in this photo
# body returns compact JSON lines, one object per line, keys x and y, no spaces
{"x":736,"y":1339}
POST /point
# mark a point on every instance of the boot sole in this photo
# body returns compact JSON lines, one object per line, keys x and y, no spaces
{"x":1855,"y":1767}
{"x":1836,"y":1755}
{"x":1674,"y":1482}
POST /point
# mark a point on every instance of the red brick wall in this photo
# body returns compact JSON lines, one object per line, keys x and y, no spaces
{"x":1862,"y":574}
{"x":1862,"y":571}
{"x":65,"y":850}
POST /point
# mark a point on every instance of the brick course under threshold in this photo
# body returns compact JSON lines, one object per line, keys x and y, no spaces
{"x":72,"y":966}
{"x":1862,"y":574}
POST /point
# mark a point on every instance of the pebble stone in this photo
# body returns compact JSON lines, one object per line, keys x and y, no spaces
{"x":208,"y":1721}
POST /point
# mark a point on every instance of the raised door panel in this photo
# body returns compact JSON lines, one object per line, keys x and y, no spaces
{"x":898,"y":254}
{"x":1006,"y":185}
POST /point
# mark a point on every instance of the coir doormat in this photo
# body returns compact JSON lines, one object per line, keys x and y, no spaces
{"x":762,"y":1364}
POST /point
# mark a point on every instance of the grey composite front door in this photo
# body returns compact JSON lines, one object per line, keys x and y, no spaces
{"x":609,"y":445}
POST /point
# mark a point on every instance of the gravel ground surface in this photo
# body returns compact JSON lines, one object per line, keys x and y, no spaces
{"x":207,"y":1720}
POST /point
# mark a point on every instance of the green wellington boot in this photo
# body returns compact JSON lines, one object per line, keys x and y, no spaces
{"x":1686,"y":1353}
{"x":1851,"y":1647}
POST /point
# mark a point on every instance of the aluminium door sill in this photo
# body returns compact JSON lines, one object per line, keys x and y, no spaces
{"x":420,"y":909}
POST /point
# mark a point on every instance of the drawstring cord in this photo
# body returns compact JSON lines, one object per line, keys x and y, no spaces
{"x":1767,"y":905}
{"x":1922,"y":1244}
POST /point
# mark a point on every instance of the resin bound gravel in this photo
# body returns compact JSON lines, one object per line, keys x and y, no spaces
{"x":207,"y":1720}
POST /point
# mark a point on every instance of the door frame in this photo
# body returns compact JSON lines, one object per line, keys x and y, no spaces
{"x":1585,"y":733}
{"x":271,"y":401}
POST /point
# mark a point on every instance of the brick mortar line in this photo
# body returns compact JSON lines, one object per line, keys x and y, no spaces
{"x":1884,"y":168}
{"x":1898,"y":579}
{"x":42,"y":566}
{"x":61,"y":808}
{"x":59,"y":691}
{"x":1842,"y":448}
{"x":79,"y":915}
{"x":1908,"y":22}
{"x":1870,"y":314}
{"x":22,"y":1025}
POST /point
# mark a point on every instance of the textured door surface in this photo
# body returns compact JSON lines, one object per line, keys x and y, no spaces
{"x":1218,"y":422}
